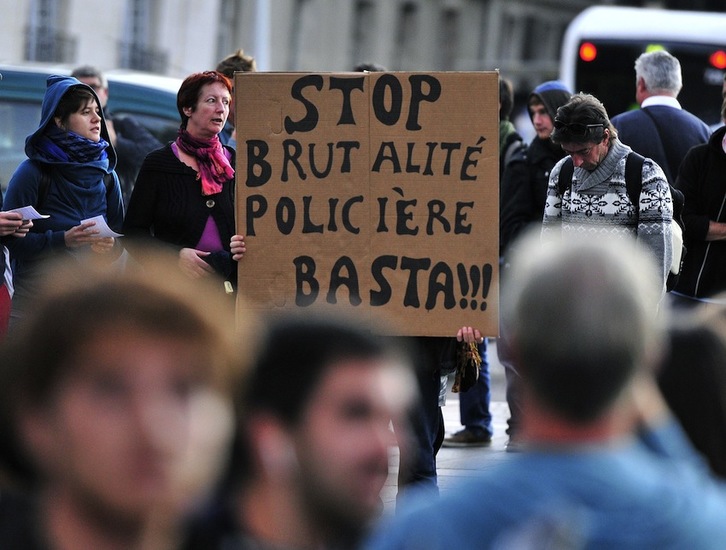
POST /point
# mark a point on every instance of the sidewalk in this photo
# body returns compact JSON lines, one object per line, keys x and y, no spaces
{"x":456,"y":464}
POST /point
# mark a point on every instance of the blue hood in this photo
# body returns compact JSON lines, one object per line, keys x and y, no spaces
{"x":56,"y":87}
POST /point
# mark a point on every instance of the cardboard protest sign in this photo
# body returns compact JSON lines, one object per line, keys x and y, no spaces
{"x":372,"y":191}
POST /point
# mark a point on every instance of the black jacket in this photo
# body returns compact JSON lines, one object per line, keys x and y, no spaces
{"x":524,"y":190}
{"x":702,"y":179}
{"x":167,"y":206}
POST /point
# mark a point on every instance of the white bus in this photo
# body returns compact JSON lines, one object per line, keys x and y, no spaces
{"x":601,"y":44}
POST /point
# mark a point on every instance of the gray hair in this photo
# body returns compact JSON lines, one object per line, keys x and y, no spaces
{"x":660,"y":71}
{"x":89,"y":71}
{"x":583,"y":318}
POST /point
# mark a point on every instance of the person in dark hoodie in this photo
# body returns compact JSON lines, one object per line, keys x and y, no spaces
{"x":523,"y":195}
{"x":701,"y":179}
{"x":68,"y":176}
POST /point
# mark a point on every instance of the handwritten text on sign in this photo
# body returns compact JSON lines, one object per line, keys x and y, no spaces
{"x":374,"y":191}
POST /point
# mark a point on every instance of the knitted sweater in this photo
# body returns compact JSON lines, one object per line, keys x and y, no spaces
{"x":597,"y":204}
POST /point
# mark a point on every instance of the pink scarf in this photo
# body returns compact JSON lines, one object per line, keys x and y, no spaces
{"x":214,"y":167}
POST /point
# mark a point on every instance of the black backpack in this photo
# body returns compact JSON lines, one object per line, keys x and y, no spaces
{"x":634,"y":184}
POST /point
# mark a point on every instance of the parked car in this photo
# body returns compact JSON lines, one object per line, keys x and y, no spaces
{"x":151,"y":99}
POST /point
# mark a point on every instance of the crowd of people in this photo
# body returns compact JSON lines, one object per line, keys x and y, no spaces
{"x":137,"y":411}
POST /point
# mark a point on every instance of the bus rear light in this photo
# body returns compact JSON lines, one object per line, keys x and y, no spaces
{"x":588,"y":51}
{"x":718,"y":59}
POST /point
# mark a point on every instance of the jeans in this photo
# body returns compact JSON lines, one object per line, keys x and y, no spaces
{"x":425,"y":431}
{"x":474,"y":404}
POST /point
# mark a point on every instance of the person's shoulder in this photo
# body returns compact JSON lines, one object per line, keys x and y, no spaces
{"x":455,"y":520}
{"x":557,"y":168}
{"x":653,"y":173}
{"x":162,"y":156}
{"x":25,"y":179}
{"x":514,"y":150}
{"x":679,"y":115}
{"x":700,"y":151}
{"x":30,"y":167}
{"x":627,"y":118}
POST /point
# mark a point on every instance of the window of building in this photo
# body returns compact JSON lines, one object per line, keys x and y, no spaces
{"x":405,"y":54}
{"x":363,"y":43}
{"x":229,"y":20}
{"x":136,"y":50}
{"x":449,"y":46}
{"x":44,"y":39}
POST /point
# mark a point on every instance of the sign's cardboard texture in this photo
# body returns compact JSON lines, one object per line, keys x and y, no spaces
{"x":376,"y":192}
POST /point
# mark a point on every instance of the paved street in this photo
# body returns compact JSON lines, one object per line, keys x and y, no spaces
{"x":455,"y":465}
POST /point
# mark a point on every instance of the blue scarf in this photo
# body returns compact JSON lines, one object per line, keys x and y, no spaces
{"x":64,"y":146}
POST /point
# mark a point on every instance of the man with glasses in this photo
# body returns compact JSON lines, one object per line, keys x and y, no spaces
{"x":594,"y":201}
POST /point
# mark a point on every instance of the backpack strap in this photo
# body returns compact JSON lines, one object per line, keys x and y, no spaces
{"x":564,"y":178}
{"x":43,"y":184}
{"x":634,"y":179}
{"x":514,"y":151}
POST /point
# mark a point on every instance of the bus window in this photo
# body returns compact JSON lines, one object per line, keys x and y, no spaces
{"x":602,"y":44}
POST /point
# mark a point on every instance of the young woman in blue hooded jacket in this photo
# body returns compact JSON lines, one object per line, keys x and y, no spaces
{"x":68,"y":176}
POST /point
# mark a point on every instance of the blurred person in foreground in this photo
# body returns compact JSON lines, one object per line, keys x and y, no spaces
{"x":116,"y":409}
{"x":692,"y":379}
{"x":314,"y":427}
{"x":604,"y":464}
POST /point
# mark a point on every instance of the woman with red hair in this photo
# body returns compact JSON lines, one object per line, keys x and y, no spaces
{"x":184,"y":193}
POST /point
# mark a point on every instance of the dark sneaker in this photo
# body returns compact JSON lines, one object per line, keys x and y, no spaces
{"x":467,"y":438}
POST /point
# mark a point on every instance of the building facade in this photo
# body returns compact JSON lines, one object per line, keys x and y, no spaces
{"x":176,"y":37}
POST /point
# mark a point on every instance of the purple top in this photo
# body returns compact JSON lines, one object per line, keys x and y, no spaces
{"x":210,"y":241}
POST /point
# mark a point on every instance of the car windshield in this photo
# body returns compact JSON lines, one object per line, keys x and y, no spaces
{"x":18,"y":119}
{"x":153,"y":105}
